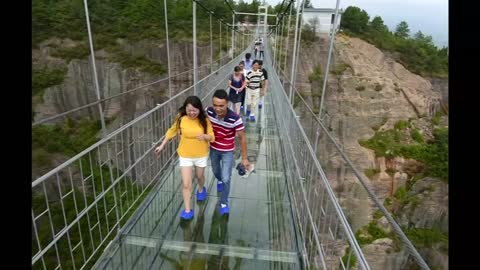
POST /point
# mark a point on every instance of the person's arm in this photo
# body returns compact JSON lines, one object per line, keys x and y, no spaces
{"x":230,"y":84}
{"x":171,"y":133}
{"x":244,"y":83}
{"x":247,"y":78}
{"x":210,"y":136}
{"x":243,"y":144}
{"x":262,"y":83}
{"x":265,"y":74}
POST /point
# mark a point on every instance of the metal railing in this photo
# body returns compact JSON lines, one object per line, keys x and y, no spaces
{"x":79,"y":206}
{"x":357,"y":197}
{"x":327,"y":239}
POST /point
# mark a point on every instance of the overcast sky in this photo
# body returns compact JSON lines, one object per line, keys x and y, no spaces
{"x":428,"y":16}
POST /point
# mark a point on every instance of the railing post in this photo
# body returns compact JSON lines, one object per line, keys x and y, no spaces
{"x":286,"y":47}
{"x":292,"y":79}
{"x":94,"y":66}
{"x":299,"y":42}
{"x":195,"y":78}
{"x":280,"y":43}
{"x":276,"y":43}
{"x":233,"y":28}
{"x":327,"y":69}
{"x":168,"y":51}
{"x":243,"y":41}
{"x":220,"y":62}
{"x":211,"y":44}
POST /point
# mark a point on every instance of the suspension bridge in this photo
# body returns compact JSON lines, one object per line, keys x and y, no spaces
{"x":284,"y":216}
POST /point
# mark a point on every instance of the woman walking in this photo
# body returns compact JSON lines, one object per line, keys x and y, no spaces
{"x":236,"y":83}
{"x":195,"y":131}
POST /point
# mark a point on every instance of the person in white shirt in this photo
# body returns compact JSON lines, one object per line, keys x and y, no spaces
{"x":255,"y":89}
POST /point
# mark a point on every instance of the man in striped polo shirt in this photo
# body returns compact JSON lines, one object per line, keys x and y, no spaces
{"x":254,"y":89}
{"x":225,"y":123}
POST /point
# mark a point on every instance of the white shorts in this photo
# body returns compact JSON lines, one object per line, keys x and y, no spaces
{"x":189,"y":162}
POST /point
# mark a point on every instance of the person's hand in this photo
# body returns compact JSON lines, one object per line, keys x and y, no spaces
{"x":246,"y":164}
{"x":202,"y":137}
{"x":158,"y":150}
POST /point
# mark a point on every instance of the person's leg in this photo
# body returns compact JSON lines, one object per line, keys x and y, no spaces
{"x":243,"y":101}
{"x":215,"y":160}
{"x":200,"y":164}
{"x":187,"y":186}
{"x":248,"y":100}
{"x":200,"y":173}
{"x":227,"y":166}
{"x":254,"y":96}
{"x":237,"y":107}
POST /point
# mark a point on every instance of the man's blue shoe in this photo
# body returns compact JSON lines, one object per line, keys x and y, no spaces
{"x":201,"y":196}
{"x":252,"y":118}
{"x":185,"y":215}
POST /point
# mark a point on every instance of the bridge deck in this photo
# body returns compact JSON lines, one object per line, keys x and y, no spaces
{"x":258,"y":233}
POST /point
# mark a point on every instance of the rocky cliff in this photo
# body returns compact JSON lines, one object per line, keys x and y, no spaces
{"x":78,"y":87}
{"x":369,"y":92}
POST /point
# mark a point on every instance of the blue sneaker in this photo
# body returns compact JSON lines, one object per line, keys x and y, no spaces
{"x":185,"y":215}
{"x":241,"y":108}
{"x":202,"y":196}
{"x":260,"y":105}
{"x":219,"y":186}
{"x":223,"y":209}
{"x":252,"y":118}
{"x":248,"y":113}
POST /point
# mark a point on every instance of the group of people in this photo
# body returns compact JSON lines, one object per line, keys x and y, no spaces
{"x":206,"y":133}
{"x":211,"y":132}
{"x":259,"y":48}
{"x":249,"y":83}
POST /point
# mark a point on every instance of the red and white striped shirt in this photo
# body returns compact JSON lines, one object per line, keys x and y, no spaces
{"x":224,"y":129}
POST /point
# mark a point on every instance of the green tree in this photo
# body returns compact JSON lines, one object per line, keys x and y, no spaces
{"x":309,"y":30}
{"x":308,"y":4}
{"x":355,"y":20}
{"x":377,"y":24}
{"x":402,"y":30}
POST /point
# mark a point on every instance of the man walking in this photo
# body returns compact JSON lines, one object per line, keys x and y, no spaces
{"x":225,"y":124}
{"x":261,"y":48}
{"x":265,"y":83}
{"x":255,"y":89}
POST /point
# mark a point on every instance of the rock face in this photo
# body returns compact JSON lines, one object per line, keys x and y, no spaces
{"x":372,"y":93}
{"x":78,"y":88}
{"x":381,"y":255}
{"x":431,"y":208}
